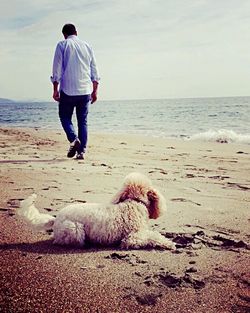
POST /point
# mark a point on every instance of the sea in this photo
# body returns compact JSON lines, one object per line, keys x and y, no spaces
{"x":209,"y":119}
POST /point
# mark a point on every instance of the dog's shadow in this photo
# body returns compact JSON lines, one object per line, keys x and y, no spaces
{"x":47,"y":247}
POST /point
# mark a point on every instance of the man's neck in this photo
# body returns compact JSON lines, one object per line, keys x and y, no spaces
{"x":67,"y":36}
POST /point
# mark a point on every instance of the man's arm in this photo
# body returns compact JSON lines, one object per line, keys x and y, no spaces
{"x":94,"y":77}
{"x":57,"y":72}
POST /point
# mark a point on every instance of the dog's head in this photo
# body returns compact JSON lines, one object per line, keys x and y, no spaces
{"x":139,"y":188}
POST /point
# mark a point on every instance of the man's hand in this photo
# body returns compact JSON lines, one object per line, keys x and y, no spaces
{"x":93,"y":97}
{"x":94,"y":92}
{"x":56,"y":95}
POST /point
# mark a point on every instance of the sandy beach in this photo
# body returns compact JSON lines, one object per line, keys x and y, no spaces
{"x":207,"y":189}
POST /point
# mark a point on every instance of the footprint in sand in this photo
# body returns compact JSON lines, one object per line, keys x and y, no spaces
{"x":190,"y":175}
{"x":130,"y":258}
{"x":219,"y":177}
{"x":173,"y":281}
{"x":218,"y":242}
{"x":148,"y":299}
{"x":237,"y":186}
{"x":184,"y":200}
{"x":160,"y":170}
{"x":242,"y":152}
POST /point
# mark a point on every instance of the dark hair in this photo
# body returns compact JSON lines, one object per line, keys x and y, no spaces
{"x":69,"y":29}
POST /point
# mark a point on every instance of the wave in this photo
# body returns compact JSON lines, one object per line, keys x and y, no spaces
{"x":222,"y":136}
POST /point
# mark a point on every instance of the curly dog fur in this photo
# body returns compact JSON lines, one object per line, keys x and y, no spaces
{"x":124,"y":221}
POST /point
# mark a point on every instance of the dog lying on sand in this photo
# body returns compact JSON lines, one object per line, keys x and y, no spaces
{"x":123,"y":221}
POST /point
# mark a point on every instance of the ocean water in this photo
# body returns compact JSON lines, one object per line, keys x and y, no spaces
{"x":210,"y":119}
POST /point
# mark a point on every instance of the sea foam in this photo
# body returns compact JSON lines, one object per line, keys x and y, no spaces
{"x":222,"y":136}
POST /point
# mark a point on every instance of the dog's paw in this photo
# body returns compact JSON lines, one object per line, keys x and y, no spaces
{"x":126,"y":245}
{"x":172,"y":247}
{"x":169,"y":245}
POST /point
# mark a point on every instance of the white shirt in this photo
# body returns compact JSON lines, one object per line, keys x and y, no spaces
{"x":74,"y":67}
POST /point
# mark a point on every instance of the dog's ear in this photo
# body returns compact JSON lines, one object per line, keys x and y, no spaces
{"x":154,"y":209}
{"x":120,"y":196}
{"x":123,"y":196}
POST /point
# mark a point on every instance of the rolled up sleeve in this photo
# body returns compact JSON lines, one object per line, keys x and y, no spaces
{"x":93,"y":69}
{"x":57,"y":69}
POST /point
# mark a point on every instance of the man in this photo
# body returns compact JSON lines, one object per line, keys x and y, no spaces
{"x":75,"y":82}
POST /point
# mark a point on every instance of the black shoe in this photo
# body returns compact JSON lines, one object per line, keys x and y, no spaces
{"x":80,"y":156}
{"x":74,"y":146}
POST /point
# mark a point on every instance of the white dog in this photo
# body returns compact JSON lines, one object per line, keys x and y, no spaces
{"x":124,"y":221}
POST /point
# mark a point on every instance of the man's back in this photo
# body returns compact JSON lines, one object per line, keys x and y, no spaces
{"x":75,"y":59}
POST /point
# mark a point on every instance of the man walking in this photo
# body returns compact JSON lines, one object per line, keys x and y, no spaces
{"x":75,"y":82}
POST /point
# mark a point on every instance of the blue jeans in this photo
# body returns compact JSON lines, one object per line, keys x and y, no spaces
{"x":66,"y":109}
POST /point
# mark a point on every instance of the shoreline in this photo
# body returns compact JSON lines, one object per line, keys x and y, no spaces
{"x":207,"y":193}
{"x":221,"y":136}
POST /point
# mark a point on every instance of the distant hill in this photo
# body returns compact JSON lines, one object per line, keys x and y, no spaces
{"x":4,"y":100}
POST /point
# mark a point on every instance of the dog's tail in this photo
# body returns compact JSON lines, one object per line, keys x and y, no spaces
{"x":40,"y":221}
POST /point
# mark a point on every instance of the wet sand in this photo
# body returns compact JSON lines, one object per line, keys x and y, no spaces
{"x":207,"y":188}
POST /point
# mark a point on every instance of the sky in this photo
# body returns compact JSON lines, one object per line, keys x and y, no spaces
{"x":145,"y":49}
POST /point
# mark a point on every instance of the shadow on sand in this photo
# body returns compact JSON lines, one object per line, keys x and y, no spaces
{"x":47,"y":247}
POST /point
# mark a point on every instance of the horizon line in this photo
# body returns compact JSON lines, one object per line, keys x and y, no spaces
{"x":132,"y":99}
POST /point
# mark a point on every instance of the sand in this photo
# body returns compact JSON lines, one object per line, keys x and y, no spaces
{"x":207,"y":188}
